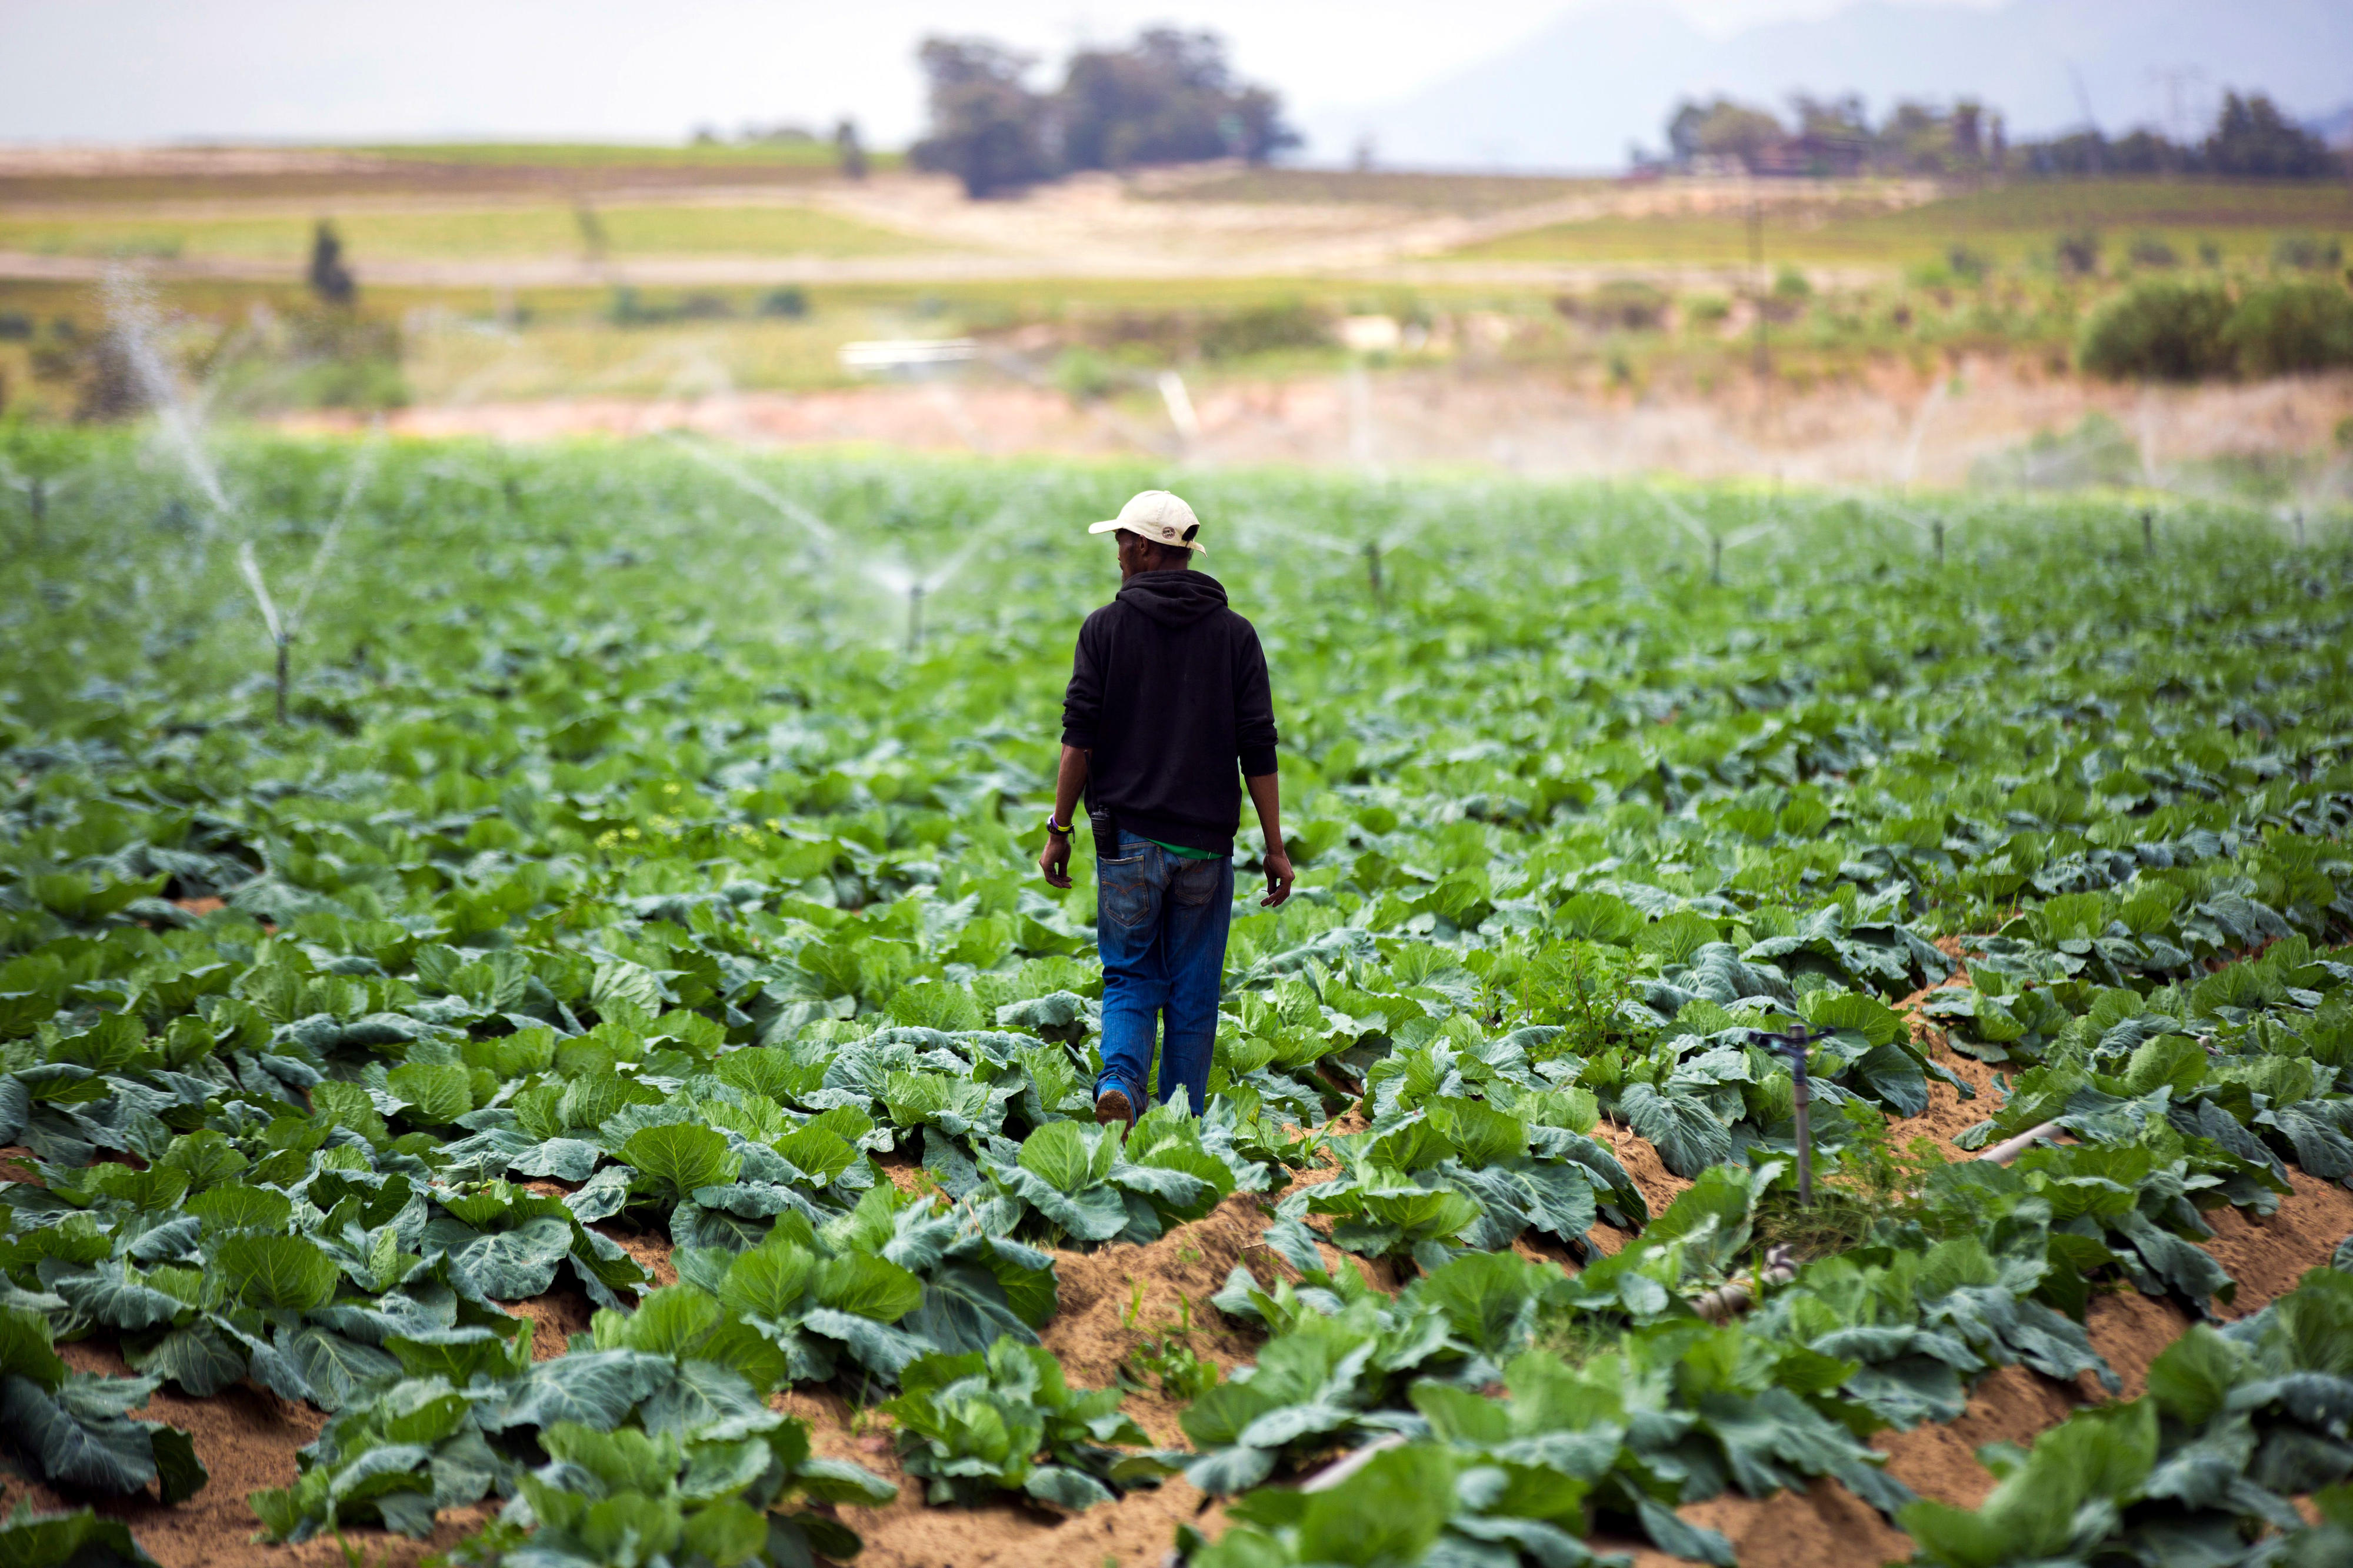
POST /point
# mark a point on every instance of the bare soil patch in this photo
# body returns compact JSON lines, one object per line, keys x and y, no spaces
{"x":1827,"y":1526}
{"x":1541,"y":422}
{"x":247,"y":1438}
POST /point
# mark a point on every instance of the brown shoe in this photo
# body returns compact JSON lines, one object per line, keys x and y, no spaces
{"x":1112,"y":1105}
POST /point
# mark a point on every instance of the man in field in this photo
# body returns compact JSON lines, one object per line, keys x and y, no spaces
{"x":1167,"y":718}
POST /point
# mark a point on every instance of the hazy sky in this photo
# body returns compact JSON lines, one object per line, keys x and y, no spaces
{"x":116,"y":71}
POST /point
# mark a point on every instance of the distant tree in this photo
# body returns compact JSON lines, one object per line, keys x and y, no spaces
{"x":988,"y":129}
{"x":1258,"y":114}
{"x":2253,"y":139}
{"x":1167,"y":97}
{"x":2143,"y":152}
{"x":330,"y":279}
{"x":1914,"y":138}
{"x":1833,"y":136}
{"x":594,"y":241}
{"x":849,"y":152}
{"x":2078,"y":152}
{"x":1725,"y":129}
{"x":1969,"y":144}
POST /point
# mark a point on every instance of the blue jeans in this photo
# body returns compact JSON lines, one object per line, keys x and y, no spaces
{"x":1160,"y":922}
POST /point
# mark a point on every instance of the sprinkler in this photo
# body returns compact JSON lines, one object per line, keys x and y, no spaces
{"x":280,"y":634}
{"x":283,"y":626}
{"x":2147,"y":532}
{"x":1373,"y":566}
{"x":914,"y":619}
{"x":1793,"y":1045}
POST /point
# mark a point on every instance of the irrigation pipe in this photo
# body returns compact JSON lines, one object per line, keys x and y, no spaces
{"x":1347,"y":1465}
{"x":2009,"y":1149}
{"x":1736,"y":1296}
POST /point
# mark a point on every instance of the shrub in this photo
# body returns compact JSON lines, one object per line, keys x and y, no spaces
{"x":2159,"y":331}
{"x":2095,"y":452}
{"x":628,"y":309}
{"x":1265,"y":328}
{"x":2077,"y":253}
{"x":2151,"y":250}
{"x":2306,"y":252}
{"x":1623,"y":305}
{"x":1084,"y":375}
{"x":789,"y":301}
{"x":2289,"y":327}
{"x":1969,"y":266}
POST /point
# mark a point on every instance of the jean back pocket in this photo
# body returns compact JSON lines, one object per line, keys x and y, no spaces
{"x":1124,"y":890}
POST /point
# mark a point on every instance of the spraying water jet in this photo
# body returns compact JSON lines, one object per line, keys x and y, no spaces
{"x":282,"y":627}
{"x":1180,"y":404}
{"x":132,"y":309}
{"x":1716,"y":544}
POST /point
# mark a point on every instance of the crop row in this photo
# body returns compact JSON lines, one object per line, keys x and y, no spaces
{"x":584,"y":903}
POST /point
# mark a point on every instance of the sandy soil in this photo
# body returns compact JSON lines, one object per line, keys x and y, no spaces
{"x":247,"y":1438}
{"x":1091,"y":223}
{"x":1892,"y":428}
{"x":1829,"y":1527}
{"x":1114,"y":1298}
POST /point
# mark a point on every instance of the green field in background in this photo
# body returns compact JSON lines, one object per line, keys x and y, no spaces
{"x":2009,"y":224}
{"x":617,"y":154}
{"x":465,"y":234}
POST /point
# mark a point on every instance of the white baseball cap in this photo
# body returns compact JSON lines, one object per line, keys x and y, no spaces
{"x":1157,"y":515}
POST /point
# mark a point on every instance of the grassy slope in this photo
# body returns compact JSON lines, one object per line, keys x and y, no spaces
{"x":469,"y":234}
{"x":2010,"y":223}
{"x":610,"y":155}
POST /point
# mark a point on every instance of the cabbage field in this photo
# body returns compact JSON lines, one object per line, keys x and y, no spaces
{"x":600,"y":1080}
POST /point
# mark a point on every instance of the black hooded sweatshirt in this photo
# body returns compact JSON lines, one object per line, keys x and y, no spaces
{"x":1169,"y":691}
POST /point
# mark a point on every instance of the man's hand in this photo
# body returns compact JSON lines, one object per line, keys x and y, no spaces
{"x":1070,"y":778}
{"x":1266,"y":794}
{"x":1054,"y":860}
{"x":1278,"y":877}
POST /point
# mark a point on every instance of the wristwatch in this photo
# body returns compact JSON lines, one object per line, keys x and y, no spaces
{"x":1058,"y":829}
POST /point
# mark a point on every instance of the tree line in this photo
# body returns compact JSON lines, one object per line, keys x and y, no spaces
{"x":1169,"y":97}
{"x":2250,"y":138}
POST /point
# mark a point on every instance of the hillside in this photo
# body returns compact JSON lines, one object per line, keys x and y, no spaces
{"x":1608,"y":73}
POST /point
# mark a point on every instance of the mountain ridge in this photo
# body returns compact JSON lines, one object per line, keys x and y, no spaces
{"x":1605,"y":74}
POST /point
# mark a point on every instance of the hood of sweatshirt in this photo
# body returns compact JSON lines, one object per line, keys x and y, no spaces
{"x":1174,"y":598}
